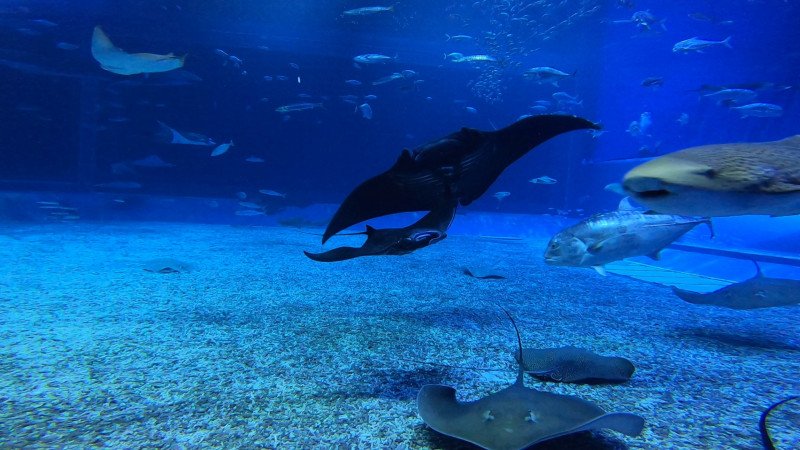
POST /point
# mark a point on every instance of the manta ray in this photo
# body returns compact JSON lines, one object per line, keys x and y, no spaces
{"x":461,"y":166}
{"x":429,"y":230}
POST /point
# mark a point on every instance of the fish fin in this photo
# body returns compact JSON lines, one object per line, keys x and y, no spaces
{"x":655,"y":256}
{"x":727,"y":42}
{"x":595,"y":248}
{"x":601,"y":270}
{"x":369,"y":231}
{"x":710,"y":227}
{"x":625,"y":205}
{"x":615,"y":188}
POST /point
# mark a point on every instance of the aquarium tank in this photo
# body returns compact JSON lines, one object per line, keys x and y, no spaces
{"x":501,"y":224}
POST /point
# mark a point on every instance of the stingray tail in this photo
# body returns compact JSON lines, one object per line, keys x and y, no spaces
{"x":521,"y":372}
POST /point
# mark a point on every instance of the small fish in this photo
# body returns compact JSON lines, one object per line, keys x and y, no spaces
{"x":370,"y":97}
{"x":294,"y":66}
{"x":241,"y":195}
{"x":272,"y":193}
{"x":544,"y":180}
{"x":267,"y":78}
{"x":254,"y":159}
{"x":470,"y":110}
{"x":408,"y":73}
{"x":729,"y":97}
{"x":698,"y":45}
{"x":546,"y":74}
{"x":120,"y":185}
{"x":683,"y":119}
{"x":297,"y":107}
{"x":474,"y":58}
{"x":249,"y":212}
{"x":222,"y":148}
{"x":368,"y":10}
{"x":653,"y":82}
{"x":759,"y":110}
{"x":458,"y":37}
{"x":387,"y":79}
{"x":67,"y":46}
{"x":366,"y":110}
{"x":373,"y":58}
{"x":563,"y":97}
{"x":501,"y":195}
{"x":249,"y":205}
{"x":353,"y":82}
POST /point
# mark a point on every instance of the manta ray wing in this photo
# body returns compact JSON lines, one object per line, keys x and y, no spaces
{"x":462,"y":165}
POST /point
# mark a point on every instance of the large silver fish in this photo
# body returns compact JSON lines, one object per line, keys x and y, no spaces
{"x":608,"y":237}
{"x":721,"y":180}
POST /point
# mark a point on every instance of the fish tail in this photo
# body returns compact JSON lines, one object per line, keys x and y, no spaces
{"x":710,"y":227}
{"x":447,"y":36}
{"x":727,"y":42}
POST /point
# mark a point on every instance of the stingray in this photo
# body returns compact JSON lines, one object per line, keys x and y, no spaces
{"x":572,"y":364}
{"x":116,"y":60}
{"x":766,"y":438}
{"x":167,"y":265}
{"x":757,"y":292}
{"x":516,"y":417}
{"x":428,"y":230}
{"x":461,"y":165}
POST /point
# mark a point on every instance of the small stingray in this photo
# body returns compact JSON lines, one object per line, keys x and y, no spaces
{"x":167,"y":265}
{"x":757,"y":292}
{"x":572,"y":364}
{"x":516,"y":417}
{"x":485,"y":272}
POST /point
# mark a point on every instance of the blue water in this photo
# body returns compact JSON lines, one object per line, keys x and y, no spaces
{"x":71,"y":131}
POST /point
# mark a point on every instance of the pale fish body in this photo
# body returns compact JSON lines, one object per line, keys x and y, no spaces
{"x":474,"y":58}
{"x":546,"y":74}
{"x":366,"y":110}
{"x":372,"y":58}
{"x":698,"y":45}
{"x":116,"y":60}
{"x":222,"y":148}
{"x":721,"y":180}
{"x":298,"y":107}
{"x":271,"y":193}
{"x":759,"y":110}
{"x":608,"y":237}
{"x":368,"y":10}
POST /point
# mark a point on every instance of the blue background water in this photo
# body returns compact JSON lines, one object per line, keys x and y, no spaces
{"x":66,"y":121}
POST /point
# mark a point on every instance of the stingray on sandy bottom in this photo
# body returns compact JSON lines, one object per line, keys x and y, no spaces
{"x":167,"y":265}
{"x":757,"y":292}
{"x":516,"y":417}
{"x":572,"y":364}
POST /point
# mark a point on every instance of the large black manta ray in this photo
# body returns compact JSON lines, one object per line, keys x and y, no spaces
{"x":460,"y":166}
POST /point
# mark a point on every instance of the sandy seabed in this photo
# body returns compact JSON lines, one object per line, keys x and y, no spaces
{"x":259,"y":347}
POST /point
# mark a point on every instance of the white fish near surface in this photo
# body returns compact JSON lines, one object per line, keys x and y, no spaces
{"x":254,"y":159}
{"x":366,"y":110}
{"x":222,"y":148}
{"x":544,"y":180}
{"x":698,"y":45}
{"x":608,"y":237}
{"x":116,"y":60}
{"x":759,"y":110}
{"x":271,"y":193}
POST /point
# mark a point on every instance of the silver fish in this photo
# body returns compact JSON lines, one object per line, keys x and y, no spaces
{"x":608,"y":237}
{"x":373,"y":58}
{"x":368,"y":10}
{"x":698,"y":45}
